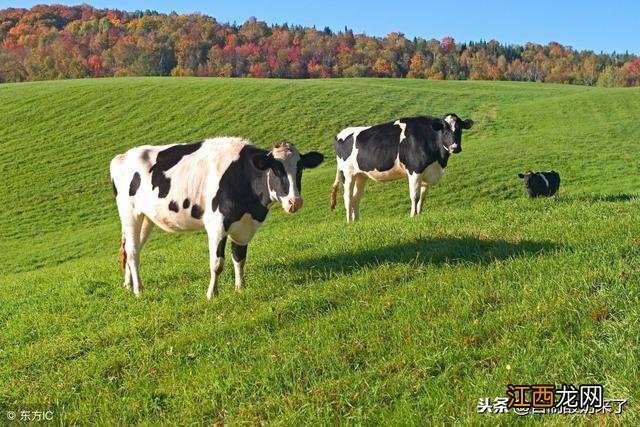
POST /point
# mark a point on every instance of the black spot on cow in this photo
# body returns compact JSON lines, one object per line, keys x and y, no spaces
{"x":145,"y":156}
{"x":185,"y":204}
{"x":344,"y":147}
{"x":243,"y":187}
{"x":378,"y":147}
{"x":308,"y":160}
{"x":196,"y":211}
{"x":166,"y":160}
{"x":220,"y":249}
{"x":238,"y":252}
{"x":278,"y":179}
{"x":135,"y":184}
{"x":423,"y":144}
{"x":299,"y":168}
{"x":113,"y":187}
{"x":173,"y":206}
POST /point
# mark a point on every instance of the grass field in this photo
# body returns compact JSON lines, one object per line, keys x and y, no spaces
{"x":389,"y":321}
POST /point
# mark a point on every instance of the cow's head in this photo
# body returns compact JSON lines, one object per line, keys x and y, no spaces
{"x":534,"y":181}
{"x":527,"y":177}
{"x":284,"y":165}
{"x":451,"y":126}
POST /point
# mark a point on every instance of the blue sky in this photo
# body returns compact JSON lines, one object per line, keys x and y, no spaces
{"x":592,"y":25}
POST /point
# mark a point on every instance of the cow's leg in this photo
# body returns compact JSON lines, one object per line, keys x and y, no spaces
{"x":239,"y":255}
{"x":127,"y":272}
{"x":145,"y":230}
{"x":131,"y":236}
{"x":424,"y":188}
{"x":217,"y":241}
{"x":414,"y":192}
{"x":335,"y":186}
{"x":360,"y":181}
{"x":349,"y":183}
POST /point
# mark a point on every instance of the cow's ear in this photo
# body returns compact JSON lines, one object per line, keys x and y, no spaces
{"x":467,"y":124}
{"x":520,"y":175}
{"x":311,"y":159}
{"x":262,"y":161}
{"x":437,"y":125}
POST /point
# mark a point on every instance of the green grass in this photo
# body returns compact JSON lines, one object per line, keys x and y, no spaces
{"x":390,"y":320}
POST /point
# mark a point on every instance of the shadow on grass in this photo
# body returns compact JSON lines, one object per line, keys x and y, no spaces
{"x":450,"y":250}
{"x":613,"y":198}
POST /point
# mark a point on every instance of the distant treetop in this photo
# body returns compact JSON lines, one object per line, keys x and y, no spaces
{"x":60,"y":42}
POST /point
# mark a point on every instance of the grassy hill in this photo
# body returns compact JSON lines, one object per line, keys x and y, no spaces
{"x":389,"y":320}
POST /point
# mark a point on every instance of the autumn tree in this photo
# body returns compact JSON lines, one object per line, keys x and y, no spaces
{"x":57,"y":41}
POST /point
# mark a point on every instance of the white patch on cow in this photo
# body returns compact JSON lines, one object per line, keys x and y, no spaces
{"x":544,"y":178}
{"x":451,"y":120}
{"x":398,"y":171}
{"x":414,"y":191}
{"x":272,"y":193}
{"x":349,"y":165}
{"x":197,"y":177}
{"x":432,"y":173}
{"x":289,"y":156}
{"x":403,"y":126}
{"x":243,"y":230}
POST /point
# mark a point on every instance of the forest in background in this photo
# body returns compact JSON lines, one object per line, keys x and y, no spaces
{"x":64,"y":42}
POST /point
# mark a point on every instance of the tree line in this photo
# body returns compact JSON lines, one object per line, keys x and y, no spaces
{"x":60,"y":42}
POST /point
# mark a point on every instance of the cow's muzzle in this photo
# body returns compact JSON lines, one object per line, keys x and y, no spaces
{"x":455,"y":148}
{"x":292,"y":204}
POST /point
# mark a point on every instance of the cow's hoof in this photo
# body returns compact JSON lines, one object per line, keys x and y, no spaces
{"x":127,"y":286}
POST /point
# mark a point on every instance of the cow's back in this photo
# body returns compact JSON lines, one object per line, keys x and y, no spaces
{"x":171,"y":184}
{"x":388,"y":151}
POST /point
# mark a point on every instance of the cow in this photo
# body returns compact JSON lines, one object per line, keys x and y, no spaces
{"x":541,"y":183}
{"x":417,"y":148}
{"x":224,"y":185}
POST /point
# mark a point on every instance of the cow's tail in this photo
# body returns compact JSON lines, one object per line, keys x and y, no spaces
{"x":334,"y":189}
{"x":123,"y":254}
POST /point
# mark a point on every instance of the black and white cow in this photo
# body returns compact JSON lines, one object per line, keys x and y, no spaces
{"x":417,"y":148}
{"x":541,"y":183}
{"x":224,"y":185}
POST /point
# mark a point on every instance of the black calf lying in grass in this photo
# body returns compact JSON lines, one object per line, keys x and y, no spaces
{"x":541,"y":183}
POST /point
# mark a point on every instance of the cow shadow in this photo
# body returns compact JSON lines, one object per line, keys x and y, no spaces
{"x":437,"y":251}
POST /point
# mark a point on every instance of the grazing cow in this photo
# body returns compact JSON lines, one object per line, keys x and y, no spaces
{"x":416,"y":147}
{"x":541,"y":183}
{"x":224,"y":185}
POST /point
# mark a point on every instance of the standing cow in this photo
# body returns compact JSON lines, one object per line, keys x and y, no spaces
{"x":540,"y":183}
{"x":417,"y":148}
{"x":224,"y":185}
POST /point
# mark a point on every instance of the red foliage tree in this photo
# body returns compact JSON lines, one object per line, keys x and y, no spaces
{"x":94,"y":65}
{"x":58,"y":41}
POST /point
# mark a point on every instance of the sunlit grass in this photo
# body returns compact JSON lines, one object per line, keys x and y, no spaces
{"x":390,"y":320}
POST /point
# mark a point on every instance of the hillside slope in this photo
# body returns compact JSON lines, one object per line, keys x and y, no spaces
{"x":389,"y":319}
